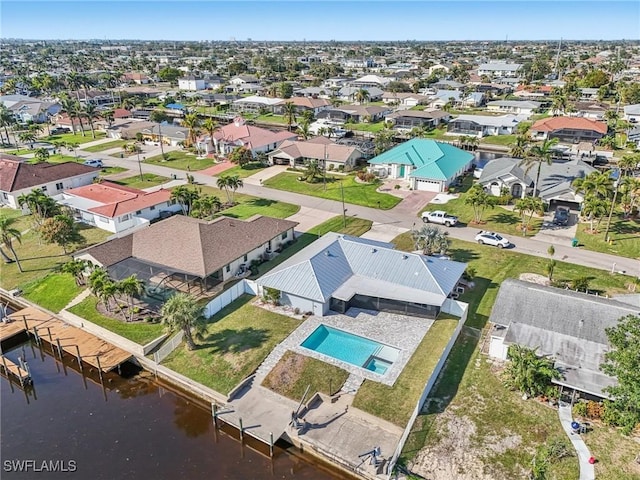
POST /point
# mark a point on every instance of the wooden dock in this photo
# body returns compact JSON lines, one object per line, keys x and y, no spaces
{"x":74,"y":341}
{"x":11,"y":368}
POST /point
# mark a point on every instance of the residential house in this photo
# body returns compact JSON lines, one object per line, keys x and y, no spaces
{"x":338,"y":272}
{"x":186,"y":253}
{"x":569,"y":327}
{"x":426,"y":164}
{"x":404,"y":99}
{"x":554,"y":187}
{"x":168,"y":134}
{"x":485,"y":125}
{"x":499,"y":69}
{"x":238,"y":134}
{"x":371,"y":81}
{"x":355,"y":113}
{"x":244,"y":84}
{"x":304,"y":104}
{"x":256,"y":104}
{"x":632,"y":113}
{"x":409,"y":119}
{"x":18,"y":177}
{"x":191,"y":83}
{"x":589,"y":93}
{"x":447,"y":85}
{"x":328,"y":154}
{"x":135,"y":77}
{"x":568,"y":129}
{"x":444,"y":97}
{"x":127,"y":128}
{"x":116,"y":208}
{"x":592,"y":110}
{"x":99,"y":98}
{"x":633,"y":135}
{"x":517,"y":107}
{"x":313,"y":92}
{"x":444,"y":68}
{"x":348,"y":94}
{"x":27,"y":109}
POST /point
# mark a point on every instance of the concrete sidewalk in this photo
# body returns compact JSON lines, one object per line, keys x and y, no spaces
{"x":587,"y":471}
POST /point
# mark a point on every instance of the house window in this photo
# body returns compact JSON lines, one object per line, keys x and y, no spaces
{"x":59,"y":186}
{"x":284,"y":235}
{"x":138,"y":212}
{"x":44,"y":188}
{"x":228,"y":268}
{"x":5,"y":196}
{"x":152,"y":207}
{"x":246,"y":257}
{"x":124,"y":218}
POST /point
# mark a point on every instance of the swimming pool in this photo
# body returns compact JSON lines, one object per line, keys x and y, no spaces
{"x":354,"y":349}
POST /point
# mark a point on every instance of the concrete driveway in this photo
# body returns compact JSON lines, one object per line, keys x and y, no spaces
{"x":557,"y":234}
{"x":383,"y":232}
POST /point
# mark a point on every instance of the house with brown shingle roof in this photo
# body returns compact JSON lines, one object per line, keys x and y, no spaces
{"x":569,"y":129}
{"x":302,"y":104}
{"x":297,"y":154}
{"x":184,"y":252}
{"x":18,"y":177}
{"x":116,"y":208}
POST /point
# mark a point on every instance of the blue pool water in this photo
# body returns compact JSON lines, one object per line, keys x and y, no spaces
{"x":353,"y":349}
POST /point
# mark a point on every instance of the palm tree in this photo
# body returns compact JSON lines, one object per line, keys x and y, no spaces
{"x":362,"y":95}
{"x":91,"y":113}
{"x":192,"y":122}
{"x":539,"y":154}
{"x":8,"y":234}
{"x":76,"y":267}
{"x":223,"y":184}
{"x":520,"y":147}
{"x":39,"y":204}
{"x":108,"y":116}
{"x":6,"y":120}
{"x":596,"y":184}
{"x":131,"y":287}
{"x":313,"y":170}
{"x":185,"y":197}
{"x":101,"y":285}
{"x":628,"y":163}
{"x":182,"y":312}
{"x":234,"y":182}
{"x":27,"y":138}
{"x":594,"y":208}
{"x":528,"y":372}
{"x":430,"y":239}
{"x":211,"y":126}
{"x":528,"y":206}
{"x":41,"y":155}
{"x":289,"y":113}
{"x":303,"y":129}
{"x":206,"y":206}
{"x":69,"y":106}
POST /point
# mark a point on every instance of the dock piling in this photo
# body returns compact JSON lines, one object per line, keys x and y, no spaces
{"x":271,"y":444}
{"x":241,"y":431}
{"x":59,"y":348}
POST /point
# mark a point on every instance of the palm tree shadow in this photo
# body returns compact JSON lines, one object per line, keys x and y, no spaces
{"x":235,"y":341}
{"x":504,"y":218}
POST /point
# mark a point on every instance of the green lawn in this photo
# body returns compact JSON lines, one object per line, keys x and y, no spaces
{"x":182,"y":161}
{"x":58,"y":158}
{"x":471,"y":409}
{"x":238,"y":339}
{"x":112,"y":170}
{"x":396,"y":403}
{"x":149,"y":180}
{"x":624,"y":233}
{"x":106,"y":146}
{"x":138,"y":332}
{"x":497,"y":219}
{"x":615,"y":453}
{"x":245,"y":171}
{"x":271,"y":118}
{"x":294,"y":372}
{"x":356,"y":193}
{"x":355,"y":226}
{"x":76,"y":138}
{"x":365,"y":127}
{"x":505,"y":140}
{"x":52,"y":292}
{"x":38,"y":258}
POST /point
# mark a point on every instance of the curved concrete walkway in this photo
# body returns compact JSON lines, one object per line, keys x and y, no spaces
{"x":587,"y":471}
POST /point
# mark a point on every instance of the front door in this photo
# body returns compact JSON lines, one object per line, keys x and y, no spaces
{"x":401,"y":174}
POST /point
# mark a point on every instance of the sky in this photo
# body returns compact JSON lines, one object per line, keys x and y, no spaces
{"x":340,"y":20}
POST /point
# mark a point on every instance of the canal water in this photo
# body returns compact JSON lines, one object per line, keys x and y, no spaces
{"x":132,"y":428}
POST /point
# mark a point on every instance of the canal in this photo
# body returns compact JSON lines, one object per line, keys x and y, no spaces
{"x":123,"y":428}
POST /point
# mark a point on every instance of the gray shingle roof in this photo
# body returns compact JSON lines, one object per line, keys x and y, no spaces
{"x":343,"y":265}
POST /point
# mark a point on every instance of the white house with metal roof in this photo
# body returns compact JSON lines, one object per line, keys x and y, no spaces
{"x":499,"y":69}
{"x":568,"y":326}
{"x":338,"y":272}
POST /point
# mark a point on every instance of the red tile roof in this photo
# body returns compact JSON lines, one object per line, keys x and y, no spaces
{"x":118,"y":200}
{"x":252,"y":137}
{"x":121,"y":113}
{"x":16,"y":174}
{"x":578,"y":123}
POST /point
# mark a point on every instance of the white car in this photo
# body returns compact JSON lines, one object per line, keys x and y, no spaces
{"x":492,"y":238}
{"x":94,"y":162}
{"x":439,"y":217}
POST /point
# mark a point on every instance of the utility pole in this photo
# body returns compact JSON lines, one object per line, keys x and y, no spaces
{"x":613,"y":205}
{"x":324,"y":170}
{"x":139,"y":164}
{"x":344,"y":210}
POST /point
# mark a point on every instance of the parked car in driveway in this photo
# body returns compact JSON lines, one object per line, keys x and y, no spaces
{"x":492,"y":238}
{"x":59,"y":130}
{"x":94,"y":162}
{"x":561,"y":216}
{"x":439,"y":217}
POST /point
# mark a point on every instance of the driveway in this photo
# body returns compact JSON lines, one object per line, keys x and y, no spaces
{"x":308,"y":218}
{"x":557,"y":234}
{"x":383,"y":232}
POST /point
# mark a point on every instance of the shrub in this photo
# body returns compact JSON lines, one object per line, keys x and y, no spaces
{"x":271,"y":295}
{"x":341,"y":168}
{"x":331,"y":167}
{"x":296,"y":311}
{"x":580,"y":409}
{"x":581,"y":284}
{"x":504,"y":199}
{"x":595,"y":410}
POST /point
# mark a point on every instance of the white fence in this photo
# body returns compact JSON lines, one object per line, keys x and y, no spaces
{"x":169,"y":346}
{"x":228,"y":296}
{"x":459,"y":306}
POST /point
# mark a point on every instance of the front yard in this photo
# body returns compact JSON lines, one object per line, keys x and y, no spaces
{"x":181,"y":161}
{"x":76,"y":138}
{"x":105,"y":146}
{"x":148,"y":180}
{"x":244,"y":171}
{"x":238,"y":339}
{"x":624,"y":233}
{"x":356,"y":193}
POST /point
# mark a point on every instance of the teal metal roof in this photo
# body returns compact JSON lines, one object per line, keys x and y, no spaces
{"x":430,"y":159}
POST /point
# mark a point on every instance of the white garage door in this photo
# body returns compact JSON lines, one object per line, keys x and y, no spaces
{"x":427,"y":186}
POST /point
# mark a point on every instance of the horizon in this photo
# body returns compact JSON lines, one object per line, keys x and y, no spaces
{"x":288,"y":21}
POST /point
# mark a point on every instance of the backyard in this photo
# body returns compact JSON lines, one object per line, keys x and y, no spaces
{"x":504,"y":140}
{"x":237,"y":340}
{"x":138,"y":332}
{"x":356,"y":193}
{"x":52,"y":292}
{"x":181,"y":161}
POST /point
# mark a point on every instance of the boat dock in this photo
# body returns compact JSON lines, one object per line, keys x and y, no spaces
{"x":21,"y":372}
{"x":84,"y":346}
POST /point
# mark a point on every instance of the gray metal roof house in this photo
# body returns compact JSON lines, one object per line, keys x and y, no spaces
{"x":565,"y":325}
{"x":337,"y":272}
